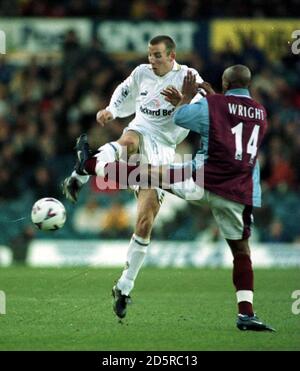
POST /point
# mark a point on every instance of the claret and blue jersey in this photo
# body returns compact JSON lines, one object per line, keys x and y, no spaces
{"x":232,"y":127}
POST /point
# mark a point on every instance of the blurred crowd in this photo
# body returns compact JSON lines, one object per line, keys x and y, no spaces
{"x":150,"y":9}
{"x":44,"y":107}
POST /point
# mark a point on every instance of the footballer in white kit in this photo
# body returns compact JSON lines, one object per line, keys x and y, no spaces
{"x":151,"y":133}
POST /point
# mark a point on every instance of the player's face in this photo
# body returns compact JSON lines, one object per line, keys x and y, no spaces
{"x":160,"y":60}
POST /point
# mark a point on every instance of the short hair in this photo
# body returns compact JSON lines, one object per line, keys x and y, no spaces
{"x":238,"y":76}
{"x":167,"y":40}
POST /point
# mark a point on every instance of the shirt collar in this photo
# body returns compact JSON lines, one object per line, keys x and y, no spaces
{"x":176,"y":66}
{"x":239,"y":92}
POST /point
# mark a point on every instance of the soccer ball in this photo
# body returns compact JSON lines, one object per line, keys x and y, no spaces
{"x":48,"y":214}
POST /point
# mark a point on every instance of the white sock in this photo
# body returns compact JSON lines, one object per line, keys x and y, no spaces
{"x":81,"y":178}
{"x":244,"y":295}
{"x":110,"y":152}
{"x":135,"y":257}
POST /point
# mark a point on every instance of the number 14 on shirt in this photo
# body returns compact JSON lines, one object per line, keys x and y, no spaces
{"x":252,"y":143}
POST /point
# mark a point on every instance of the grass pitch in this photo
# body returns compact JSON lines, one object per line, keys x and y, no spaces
{"x":173,"y":309}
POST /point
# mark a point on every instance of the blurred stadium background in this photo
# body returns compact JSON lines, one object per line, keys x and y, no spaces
{"x":63,"y":60}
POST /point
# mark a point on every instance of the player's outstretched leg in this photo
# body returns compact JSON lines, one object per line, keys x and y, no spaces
{"x":71,"y":185}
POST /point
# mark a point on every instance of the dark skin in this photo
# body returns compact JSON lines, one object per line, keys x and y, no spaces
{"x":234,"y":77}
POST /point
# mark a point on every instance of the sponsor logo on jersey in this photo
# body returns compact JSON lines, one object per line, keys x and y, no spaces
{"x":158,"y":112}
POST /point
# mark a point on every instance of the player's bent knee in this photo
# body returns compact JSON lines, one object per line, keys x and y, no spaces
{"x":131,"y":142}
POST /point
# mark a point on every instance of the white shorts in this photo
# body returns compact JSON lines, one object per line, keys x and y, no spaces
{"x":153,"y":152}
{"x":233,"y":219}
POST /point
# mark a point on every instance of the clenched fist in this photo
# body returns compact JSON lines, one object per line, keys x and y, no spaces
{"x":103,"y":117}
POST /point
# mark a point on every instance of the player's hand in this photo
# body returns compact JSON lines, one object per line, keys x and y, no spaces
{"x":190,"y":86}
{"x":207,"y":88}
{"x":172,"y":95}
{"x":103,"y":117}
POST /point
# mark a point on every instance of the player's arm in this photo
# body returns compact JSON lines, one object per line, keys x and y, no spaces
{"x":194,"y":116}
{"x":123,"y":100}
{"x":193,"y":89}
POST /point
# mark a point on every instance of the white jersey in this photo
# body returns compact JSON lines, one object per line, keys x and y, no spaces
{"x":140,"y":93}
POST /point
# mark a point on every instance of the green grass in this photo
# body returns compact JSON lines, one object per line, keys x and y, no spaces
{"x":173,"y":309}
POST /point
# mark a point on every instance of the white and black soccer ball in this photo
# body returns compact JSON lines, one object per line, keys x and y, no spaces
{"x":48,"y":214}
